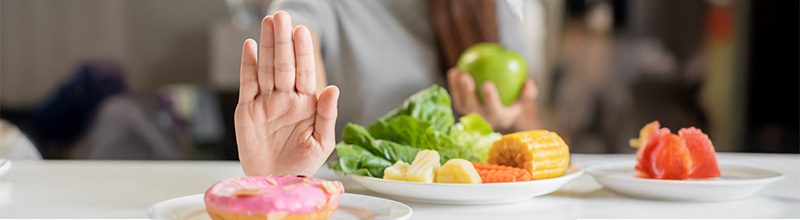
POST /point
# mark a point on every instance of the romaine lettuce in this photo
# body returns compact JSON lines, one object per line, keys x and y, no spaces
{"x":431,"y":105}
{"x":475,"y":134}
{"x":424,"y":121}
{"x":389,"y":150}
{"x":357,"y":160}
{"x":407,"y":130}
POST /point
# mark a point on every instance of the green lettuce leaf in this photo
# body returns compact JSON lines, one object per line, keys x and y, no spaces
{"x":424,"y":121}
{"x":389,"y":150}
{"x":476,"y":134}
{"x":359,"y":161}
{"x":431,"y":105}
{"x":407,"y":130}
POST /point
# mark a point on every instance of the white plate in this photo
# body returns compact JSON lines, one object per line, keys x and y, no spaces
{"x":351,"y":206}
{"x":467,"y":194}
{"x":5,"y":166}
{"x":737,"y":182}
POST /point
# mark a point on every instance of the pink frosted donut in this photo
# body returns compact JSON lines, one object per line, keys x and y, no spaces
{"x":273,"y":197}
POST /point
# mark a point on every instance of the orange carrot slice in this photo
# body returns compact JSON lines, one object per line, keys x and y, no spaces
{"x":491,"y":173}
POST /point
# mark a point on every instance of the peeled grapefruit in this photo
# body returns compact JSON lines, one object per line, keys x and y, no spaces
{"x":663,"y":155}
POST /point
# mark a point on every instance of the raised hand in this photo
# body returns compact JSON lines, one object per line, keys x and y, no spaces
{"x":283,"y":126}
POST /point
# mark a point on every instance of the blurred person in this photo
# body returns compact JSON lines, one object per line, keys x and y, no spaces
{"x":611,"y":80}
{"x":380,"y":52}
{"x":285,"y":121}
{"x":580,"y":101}
{"x":91,"y":116}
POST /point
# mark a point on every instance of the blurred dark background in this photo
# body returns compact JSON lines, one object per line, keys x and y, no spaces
{"x":157,"y":79}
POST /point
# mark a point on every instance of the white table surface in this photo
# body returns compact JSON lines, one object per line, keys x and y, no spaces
{"x":126,"y":189}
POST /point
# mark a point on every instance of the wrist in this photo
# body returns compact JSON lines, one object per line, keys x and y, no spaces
{"x":254,"y":168}
{"x":528,"y":120}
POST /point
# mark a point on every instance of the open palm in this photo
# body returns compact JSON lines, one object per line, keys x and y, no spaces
{"x":282,"y":125}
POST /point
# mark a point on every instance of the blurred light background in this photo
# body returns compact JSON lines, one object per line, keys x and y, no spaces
{"x":157,"y":79}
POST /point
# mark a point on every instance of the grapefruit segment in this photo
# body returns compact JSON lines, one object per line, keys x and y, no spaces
{"x":702,"y":151}
{"x":650,"y":137}
{"x":671,"y":159}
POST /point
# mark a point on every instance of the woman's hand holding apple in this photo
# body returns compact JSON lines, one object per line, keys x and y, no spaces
{"x":496,"y":76}
{"x":520,"y":115}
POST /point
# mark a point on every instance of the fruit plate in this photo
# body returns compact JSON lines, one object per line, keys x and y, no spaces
{"x":351,"y":206}
{"x":738,"y":181}
{"x":467,"y":194}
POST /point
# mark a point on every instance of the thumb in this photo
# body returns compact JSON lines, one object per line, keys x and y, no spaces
{"x":325,"y":121}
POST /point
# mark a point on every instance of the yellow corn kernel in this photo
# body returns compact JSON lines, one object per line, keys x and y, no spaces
{"x":541,"y":152}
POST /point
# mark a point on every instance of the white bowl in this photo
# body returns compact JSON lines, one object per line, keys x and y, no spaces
{"x":467,"y":194}
{"x":737,"y":182}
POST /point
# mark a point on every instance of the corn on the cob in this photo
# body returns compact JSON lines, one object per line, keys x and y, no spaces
{"x":542,"y":153}
{"x":397,"y":171}
{"x":424,"y":167}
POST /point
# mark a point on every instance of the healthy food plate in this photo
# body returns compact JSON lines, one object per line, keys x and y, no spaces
{"x":738,"y":181}
{"x":467,"y":194}
{"x":351,"y":206}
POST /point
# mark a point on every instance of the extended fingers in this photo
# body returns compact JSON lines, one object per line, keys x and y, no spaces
{"x":306,"y":81}
{"x":500,"y":115}
{"x":284,"y":53}
{"x":491,"y":98}
{"x":455,"y":90}
{"x":266,"y":55}
{"x":468,"y":94}
{"x":248,"y":76}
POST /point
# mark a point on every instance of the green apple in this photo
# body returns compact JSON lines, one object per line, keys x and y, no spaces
{"x":490,"y":61}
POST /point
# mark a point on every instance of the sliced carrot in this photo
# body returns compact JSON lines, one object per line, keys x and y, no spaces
{"x":491,"y":173}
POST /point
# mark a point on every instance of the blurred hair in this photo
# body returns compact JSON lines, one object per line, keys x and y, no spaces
{"x":577,"y":10}
{"x":458,"y":24}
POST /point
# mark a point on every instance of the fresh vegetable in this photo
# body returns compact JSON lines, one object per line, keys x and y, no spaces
{"x":391,"y":151}
{"x":542,"y":153}
{"x":458,"y":171}
{"x":491,"y":173}
{"x":407,"y":130}
{"x":476,"y":134}
{"x":431,"y":105}
{"x":664,"y":155}
{"x":412,"y":125}
{"x":424,"y":121}
{"x":490,"y":61}
{"x":397,"y":171}
{"x":357,"y":160}
{"x":424,"y":167}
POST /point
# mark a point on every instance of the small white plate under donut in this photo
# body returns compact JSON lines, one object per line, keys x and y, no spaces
{"x":351,"y":206}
